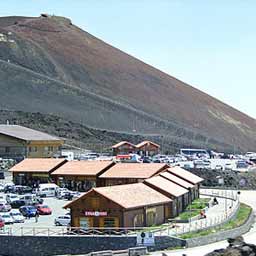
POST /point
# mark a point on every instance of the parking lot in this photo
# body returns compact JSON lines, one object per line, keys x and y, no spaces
{"x":43,"y":220}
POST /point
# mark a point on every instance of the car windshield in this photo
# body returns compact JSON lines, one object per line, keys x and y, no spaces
{"x":31,"y":208}
{"x":6,"y":216}
{"x":44,"y":206}
{"x":16,"y":214}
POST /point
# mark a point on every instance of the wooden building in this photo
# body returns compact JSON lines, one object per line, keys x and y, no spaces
{"x":133,"y":205}
{"x":189,"y":177}
{"x":183,"y":183}
{"x":127,"y":173}
{"x":123,"y":148}
{"x":32,"y":171}
{"x":81,"y":175}
{"x":20,"y":142}
{"x":147,"y":148}
{"x":178,"y":194}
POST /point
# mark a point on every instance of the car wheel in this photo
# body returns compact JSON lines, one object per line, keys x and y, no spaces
{"x":57,"y":224}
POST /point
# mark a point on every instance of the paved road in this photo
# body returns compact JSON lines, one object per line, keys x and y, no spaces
{"x":248,"y":197}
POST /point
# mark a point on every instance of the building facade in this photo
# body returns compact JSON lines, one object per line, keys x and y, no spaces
{"x":19,"y":142}
{"x":129,"y":206}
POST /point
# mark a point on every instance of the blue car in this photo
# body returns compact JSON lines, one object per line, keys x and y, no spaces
{"x":28,"y":211}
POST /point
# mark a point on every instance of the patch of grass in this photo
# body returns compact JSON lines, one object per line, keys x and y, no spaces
{"x":194,"y":209}
{"x":188,"y":215}
{"x":242,"y":216}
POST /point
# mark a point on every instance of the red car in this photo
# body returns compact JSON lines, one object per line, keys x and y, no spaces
{"x":1,"y":223}
{"x":44,"y":209}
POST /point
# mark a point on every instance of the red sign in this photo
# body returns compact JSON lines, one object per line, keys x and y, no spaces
{"x":95,"y":214}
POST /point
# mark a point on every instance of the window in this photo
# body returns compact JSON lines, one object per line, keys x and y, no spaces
{"x":30,"y":149}
{"x":7,"y":149}
{"x":50,"y":148}
{"x":110,"y":222}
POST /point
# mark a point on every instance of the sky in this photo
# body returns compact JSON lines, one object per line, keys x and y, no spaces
{"x":210,"y":45}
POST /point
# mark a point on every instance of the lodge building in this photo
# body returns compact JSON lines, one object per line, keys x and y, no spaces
{"x":127,"y":173}
{"x":81,"y":175}
{"x":131,"y":205}
{"x":145,"y":148}
{"x":32,"y":171}
{"x":19,"y":142}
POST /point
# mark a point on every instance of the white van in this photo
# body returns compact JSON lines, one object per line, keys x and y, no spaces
{"x":47,"y":189}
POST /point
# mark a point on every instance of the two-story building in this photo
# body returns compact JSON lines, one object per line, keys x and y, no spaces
{"x":20,"y":142}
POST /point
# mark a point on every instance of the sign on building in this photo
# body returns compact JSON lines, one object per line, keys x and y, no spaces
{"x":95,"y":214}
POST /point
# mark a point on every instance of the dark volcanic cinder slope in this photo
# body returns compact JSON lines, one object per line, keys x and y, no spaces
{"x":49,"y":60}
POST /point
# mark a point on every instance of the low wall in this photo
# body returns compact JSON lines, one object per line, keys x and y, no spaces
{"x":219,"y":236}
{"x":59,"y":245}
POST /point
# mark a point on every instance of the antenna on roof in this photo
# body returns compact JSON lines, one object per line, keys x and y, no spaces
{"x":7,"y":122}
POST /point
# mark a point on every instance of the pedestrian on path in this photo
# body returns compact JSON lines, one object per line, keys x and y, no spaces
{"x":37,"y":216}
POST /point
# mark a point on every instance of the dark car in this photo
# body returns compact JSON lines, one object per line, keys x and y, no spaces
{"x":1,"y":175}
{"x":28,"y":211}
{"x":9,"y":189}
{"x":17,"y":204}
{"x":21,"y":190}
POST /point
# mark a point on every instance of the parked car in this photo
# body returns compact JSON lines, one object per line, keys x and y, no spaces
{"x":17,"y":204}
{"x":62,"y":220}
{"x":61,"y":192}
{"x":28,"y":211}
{"x":3,"y":199}
{"x":1,"y":188}
{"x":1,"y":222}
{"x":11,"y":197}
{"x":4,"y":207}
{"x":17,"y":216}
{"x":9,"y":188}
{"x":1,"y":175}
{"x":6,"y":218}
{"x":47,"y":190}
{"x":44,"y":209}
{"x":31,"y":199}
{"x":21,"y":190}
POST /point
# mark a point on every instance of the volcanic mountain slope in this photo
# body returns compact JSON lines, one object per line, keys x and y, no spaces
{"x":50,"y":66}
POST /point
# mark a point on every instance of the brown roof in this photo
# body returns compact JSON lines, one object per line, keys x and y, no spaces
{"x":146,"y":142}
{"x":27,"y":134}
{"x":186,"y":175}
{"x":82,"y":168}
{"x":123,"y":143}
{"x":133,"y":170}
{"x":130,"y":196}
{"x":167,"y":186}
{"x":176,"y":180}
{"x":37,"y":165}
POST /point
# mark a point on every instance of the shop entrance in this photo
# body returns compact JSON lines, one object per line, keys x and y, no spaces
{"x":86,"y":222}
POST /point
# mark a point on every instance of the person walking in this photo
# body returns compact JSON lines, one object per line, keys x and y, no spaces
{"x":37,"y":216}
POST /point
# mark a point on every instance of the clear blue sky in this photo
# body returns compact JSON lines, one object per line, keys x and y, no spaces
{"x":208,"y":44}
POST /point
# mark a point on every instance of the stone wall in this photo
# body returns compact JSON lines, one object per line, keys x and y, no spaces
{"x":219,"y":236}
{"x":59,"y":245}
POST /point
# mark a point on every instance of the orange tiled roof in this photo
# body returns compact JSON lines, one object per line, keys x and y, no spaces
{"x":37,"y":165}
{"x":186,"y":175}
{"x":167,"y":186}
{"x":130,"y":196}
{"x":133,"y":170}
{"x":82,"y":168}
{"x":176,"y":179}
{"x":123,"y":143}
{"x":146,"y":142}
